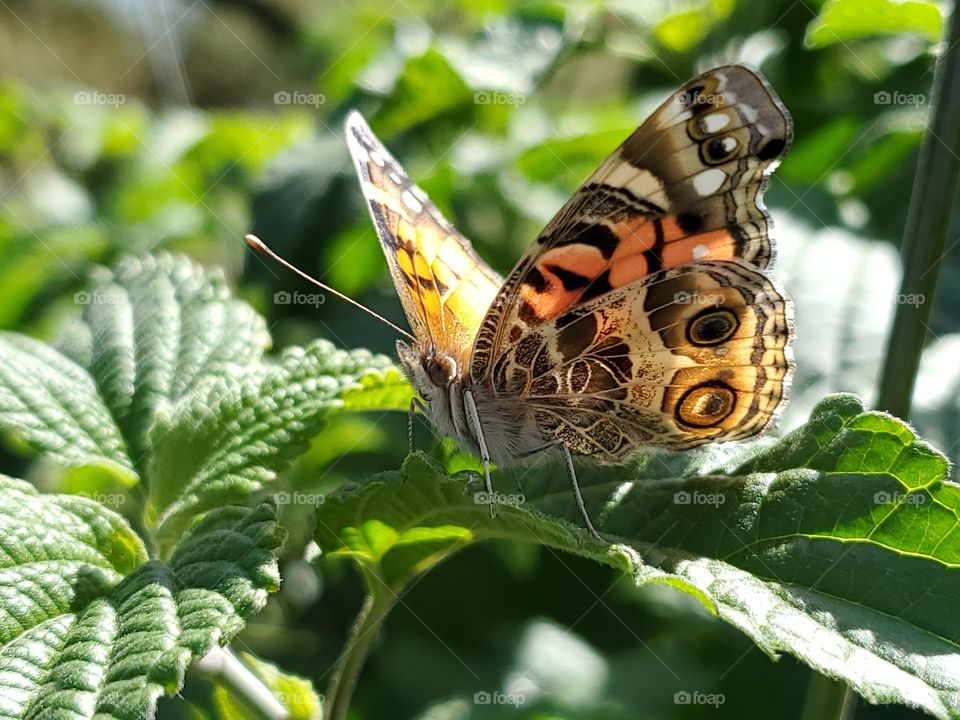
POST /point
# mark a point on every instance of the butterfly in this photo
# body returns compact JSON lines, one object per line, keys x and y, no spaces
{"x":641,"y":317}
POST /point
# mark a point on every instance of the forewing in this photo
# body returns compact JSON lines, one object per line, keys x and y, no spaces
{"x":444,"y":286}
{"x":685,"y":187}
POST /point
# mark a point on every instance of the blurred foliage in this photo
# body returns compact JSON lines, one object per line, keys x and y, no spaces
{"x":122,"y":131}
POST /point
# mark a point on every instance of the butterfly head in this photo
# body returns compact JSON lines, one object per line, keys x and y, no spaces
{"x":428,"y":369}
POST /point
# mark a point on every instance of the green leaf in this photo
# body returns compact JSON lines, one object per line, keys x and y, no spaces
{"x":53,"y":405}
{"x":427,"y":87}
{"x":815,"y":155}
{"x":379,"y":389}
{"x":91,"y":627}
{"x":841,"y":20}
{"x":295,"y":693}
{"x":847,"y":523}
{"x":221,"y":444}
{"x":161,"y":326}
{"x":568,"y":160}
{"x":686,"y":28}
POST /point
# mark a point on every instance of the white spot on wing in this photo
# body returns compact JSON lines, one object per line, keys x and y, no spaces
{"x":642,"y":183}
{"x":714,"y":122}
{"x":411,"y":202}
{"x":700,"y":251}
{"x":394,"y":177}
{"x":377,"y":158}
{"x":709,"y":181}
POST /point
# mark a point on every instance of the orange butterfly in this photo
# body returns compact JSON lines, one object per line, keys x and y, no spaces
{"x":640,"y":318}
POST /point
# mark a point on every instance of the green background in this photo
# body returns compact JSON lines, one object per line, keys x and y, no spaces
{"x":180,"y":126}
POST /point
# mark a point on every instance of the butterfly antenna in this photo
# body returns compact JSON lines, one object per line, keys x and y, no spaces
{"x":261,"y":247}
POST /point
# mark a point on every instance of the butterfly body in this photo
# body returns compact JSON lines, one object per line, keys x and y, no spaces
{"x":507,"y":428}
{"x":642,"y":317}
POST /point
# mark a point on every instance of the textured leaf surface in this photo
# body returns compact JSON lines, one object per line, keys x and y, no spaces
{"x":90,"y":628}
{"x":53,"y":405}
{"x":161,"y":326}
{"x":838,"y":544}
{"x":220,"y":445}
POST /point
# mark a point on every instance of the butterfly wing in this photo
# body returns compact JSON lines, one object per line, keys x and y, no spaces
{"x":692,"y":354}
{"x":641,"y":315}
{"x":686,"y":186}
{"x":444,"y":286}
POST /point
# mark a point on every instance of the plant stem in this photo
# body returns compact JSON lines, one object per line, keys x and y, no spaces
{"x":365,"y":629}
{"x":928,"y":222}
{"x":924,"y":240}
{"x":224,"y":668}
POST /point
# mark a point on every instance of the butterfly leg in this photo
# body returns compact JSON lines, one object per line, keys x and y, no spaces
{"x":576,"y":493}
{"x":473,"y":421}
{"x":415,"y":404}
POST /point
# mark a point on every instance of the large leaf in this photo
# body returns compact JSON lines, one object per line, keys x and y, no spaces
{"x":426,"y":87}
{"x":89,"y":628}
{"x":177,"y":376}
{"x":161,"y":326}
{"x":842,"y":20}
{"x":838,"y":544}
{"x":230,"y":438}
{"x":52,"y":404}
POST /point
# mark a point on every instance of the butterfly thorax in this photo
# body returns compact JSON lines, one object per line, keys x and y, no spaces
{"x":438,"y":379}
{"x":443,"y":385}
